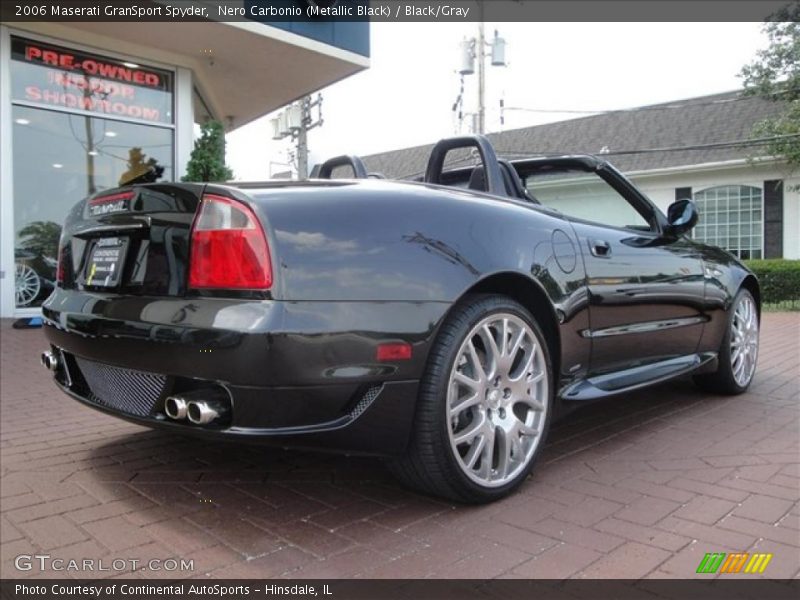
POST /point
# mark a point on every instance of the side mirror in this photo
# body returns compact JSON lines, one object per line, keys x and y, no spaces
{"x":682,"y":215}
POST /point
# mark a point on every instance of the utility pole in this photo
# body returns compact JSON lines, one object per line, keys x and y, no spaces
{"x":473,"y":49}
{"x":302,"y":153}
{"x":89,"y":92}
{"x":481,"y":125}
{"x":295,"y":122}
{"x":91,"y":187}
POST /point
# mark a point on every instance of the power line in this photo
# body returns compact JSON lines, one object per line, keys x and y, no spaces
{"x":654,"y":107}
{"x":657,"y":107}
{"x":554,"y":110}
{"x":448,"y":164}
{"x":715,"y":145}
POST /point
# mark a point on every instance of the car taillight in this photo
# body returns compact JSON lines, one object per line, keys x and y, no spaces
{"x":229,"y":248}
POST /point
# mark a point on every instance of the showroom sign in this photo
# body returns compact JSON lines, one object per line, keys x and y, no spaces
{"x":55,"y":76}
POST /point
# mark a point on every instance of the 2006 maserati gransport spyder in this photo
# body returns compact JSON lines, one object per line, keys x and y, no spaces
{"x":441,"y":323}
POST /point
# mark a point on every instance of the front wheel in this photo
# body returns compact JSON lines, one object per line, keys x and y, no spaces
{"x":739,"y":351}
{"x":484,"y":404}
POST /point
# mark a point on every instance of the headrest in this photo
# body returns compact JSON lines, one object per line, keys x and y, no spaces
{"x":477,"y":180}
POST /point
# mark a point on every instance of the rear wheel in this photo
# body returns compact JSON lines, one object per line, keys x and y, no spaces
{"x":484,"y":404}
{"x":739,"y":351}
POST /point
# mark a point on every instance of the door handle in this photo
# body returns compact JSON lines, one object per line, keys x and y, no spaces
{"x":600,"y":248}
{"x":631,"y":291}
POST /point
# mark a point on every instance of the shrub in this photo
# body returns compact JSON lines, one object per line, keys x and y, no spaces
{"x":779,"y":279}
{"x":207,"y":162}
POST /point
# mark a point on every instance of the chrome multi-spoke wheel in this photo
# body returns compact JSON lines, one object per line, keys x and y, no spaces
{"x":484,"y":403}
{"x":497,"y":399}
{"x":27,"y":284}
{"x":738,"y":353}
{"x":744,"y":340}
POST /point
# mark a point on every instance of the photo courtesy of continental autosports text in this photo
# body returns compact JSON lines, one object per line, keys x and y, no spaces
{"x":390,"y":299}
{"x":140,"y":590}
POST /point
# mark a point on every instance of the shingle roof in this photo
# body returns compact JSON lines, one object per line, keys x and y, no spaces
{"x":715,"y":119}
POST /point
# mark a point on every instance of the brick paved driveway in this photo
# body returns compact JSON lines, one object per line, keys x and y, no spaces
{"x":639,"y":486}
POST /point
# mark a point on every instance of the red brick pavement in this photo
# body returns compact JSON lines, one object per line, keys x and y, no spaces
{"x":640,"y":486}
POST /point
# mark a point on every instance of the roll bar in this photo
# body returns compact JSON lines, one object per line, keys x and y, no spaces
{"x":494,"y":178}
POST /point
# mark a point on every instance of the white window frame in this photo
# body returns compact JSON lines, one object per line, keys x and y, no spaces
{"x":760,"y":187}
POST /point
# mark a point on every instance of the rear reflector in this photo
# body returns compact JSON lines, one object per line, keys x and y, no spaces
{"x":229,"y":248}
{"x":387,"y":352}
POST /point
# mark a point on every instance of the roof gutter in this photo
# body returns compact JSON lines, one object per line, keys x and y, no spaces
{"x":711,"y":166}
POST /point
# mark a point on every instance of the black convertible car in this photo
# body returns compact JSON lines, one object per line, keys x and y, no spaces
{"x":442,"y":323}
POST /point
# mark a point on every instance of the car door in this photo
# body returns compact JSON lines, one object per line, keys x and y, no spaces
{"x":645,"y":289}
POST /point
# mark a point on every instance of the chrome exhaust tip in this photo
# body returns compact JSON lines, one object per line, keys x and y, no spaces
{"x":201,"y":412}
{"x":49,"y":360}
{"x":176,"y":407}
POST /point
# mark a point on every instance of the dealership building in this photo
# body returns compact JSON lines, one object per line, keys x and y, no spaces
{"x":86,"y":105}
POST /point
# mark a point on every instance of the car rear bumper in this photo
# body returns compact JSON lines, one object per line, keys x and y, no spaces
{"x":379,"y":424}
{"x":297,"y":374}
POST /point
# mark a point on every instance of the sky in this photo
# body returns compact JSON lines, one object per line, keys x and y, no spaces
{"x":405,"y":98}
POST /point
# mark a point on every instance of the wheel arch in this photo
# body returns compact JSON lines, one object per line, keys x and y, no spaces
{"x":750,"y":283}
{"x":530,"y":293}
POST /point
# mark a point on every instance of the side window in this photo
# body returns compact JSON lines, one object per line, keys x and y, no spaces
{"x":584,"y":195}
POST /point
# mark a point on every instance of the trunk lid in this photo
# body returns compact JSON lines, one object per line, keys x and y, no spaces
{"x":131,"y":240}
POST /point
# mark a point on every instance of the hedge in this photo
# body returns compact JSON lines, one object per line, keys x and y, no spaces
{"x":779,"y":279}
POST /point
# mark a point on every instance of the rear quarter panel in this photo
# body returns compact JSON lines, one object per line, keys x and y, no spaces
{"x":386,"y":242}
{"x":392,"y":242}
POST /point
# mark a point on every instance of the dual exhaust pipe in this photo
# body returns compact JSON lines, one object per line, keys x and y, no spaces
{"x":49,"y":360}
{"x":199,"y":412}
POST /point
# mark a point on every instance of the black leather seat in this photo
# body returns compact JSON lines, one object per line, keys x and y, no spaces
{"x":513,"y":184}
{"x":477,"y":180}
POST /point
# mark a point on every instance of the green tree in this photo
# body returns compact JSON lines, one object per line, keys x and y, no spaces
{"x":207,"y":162}
{"x":775,"y":75}
{"x":40,"y":237}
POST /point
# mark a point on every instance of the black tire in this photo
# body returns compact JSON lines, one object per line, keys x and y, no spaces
{"x":430,"y":464}
{"x":723,"y":380}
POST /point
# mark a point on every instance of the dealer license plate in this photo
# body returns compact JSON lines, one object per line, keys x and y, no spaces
{"x":106,"y":259}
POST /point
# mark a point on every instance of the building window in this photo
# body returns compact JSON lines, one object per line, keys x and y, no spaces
{"x":731,"y":217}
{"x":82,"y":123}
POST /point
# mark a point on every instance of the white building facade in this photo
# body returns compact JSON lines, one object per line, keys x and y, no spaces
{"x":750,"y":208}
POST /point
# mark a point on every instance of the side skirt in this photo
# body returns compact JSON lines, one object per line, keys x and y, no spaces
{"x":619,"y":382}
